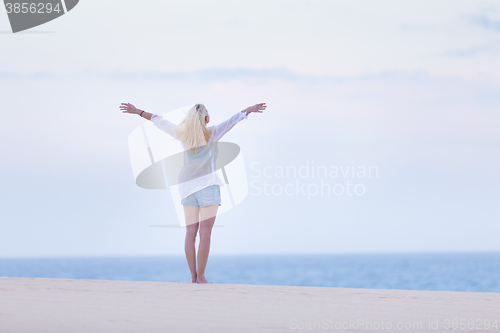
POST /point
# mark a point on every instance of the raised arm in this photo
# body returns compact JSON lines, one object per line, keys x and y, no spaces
{"x":163,"y":124}
{"x":218,"y":131}
{"x":157,"y":120}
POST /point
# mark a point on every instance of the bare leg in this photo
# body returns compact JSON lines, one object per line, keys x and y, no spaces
{"x":207,"y":220}
{"x":192,"y":218}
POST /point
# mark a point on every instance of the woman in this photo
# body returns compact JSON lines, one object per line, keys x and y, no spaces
{"x":199,"y":184}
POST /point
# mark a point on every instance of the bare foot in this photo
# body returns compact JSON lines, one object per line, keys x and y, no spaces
{"x":201,"y":279}
{"x":193,"y":278}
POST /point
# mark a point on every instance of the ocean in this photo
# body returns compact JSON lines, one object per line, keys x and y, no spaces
{"x":478,"y":272}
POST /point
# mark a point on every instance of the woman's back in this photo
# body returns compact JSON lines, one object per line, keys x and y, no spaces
{"x":198,"y":170}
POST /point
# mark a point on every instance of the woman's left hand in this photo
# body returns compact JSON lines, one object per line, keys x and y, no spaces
{"x":129,"y":108}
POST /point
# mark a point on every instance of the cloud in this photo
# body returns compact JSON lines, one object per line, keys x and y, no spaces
{"x":485,"y":22}
{"x":415,"y":27}
{"x":473,"y":51}
{"x":33,"y":75}
{"x":223,"y":74}
{"x":210,"y":74}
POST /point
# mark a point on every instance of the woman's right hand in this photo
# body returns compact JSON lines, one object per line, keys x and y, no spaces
{"x":129,"y":108}
{"x":256,"y":108}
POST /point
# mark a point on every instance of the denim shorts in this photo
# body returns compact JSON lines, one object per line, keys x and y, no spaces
{"x":207,"y":196}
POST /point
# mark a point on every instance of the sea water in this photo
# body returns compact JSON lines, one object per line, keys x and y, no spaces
{"x":479,"y":272}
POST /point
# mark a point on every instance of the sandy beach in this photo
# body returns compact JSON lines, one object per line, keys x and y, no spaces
{"x":66,"y":305}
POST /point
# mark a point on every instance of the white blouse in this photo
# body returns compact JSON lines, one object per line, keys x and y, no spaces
{"x":198,"y":170}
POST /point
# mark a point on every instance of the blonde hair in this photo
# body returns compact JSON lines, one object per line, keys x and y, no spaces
{"x":192,"y":131}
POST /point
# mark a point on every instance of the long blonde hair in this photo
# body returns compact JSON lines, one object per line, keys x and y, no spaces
{"x":192,"y":131}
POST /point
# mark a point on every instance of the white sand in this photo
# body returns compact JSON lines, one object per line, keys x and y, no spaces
{"x":92,"y":306}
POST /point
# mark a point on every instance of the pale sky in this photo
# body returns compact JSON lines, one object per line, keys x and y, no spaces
{"x":411,"y":87}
